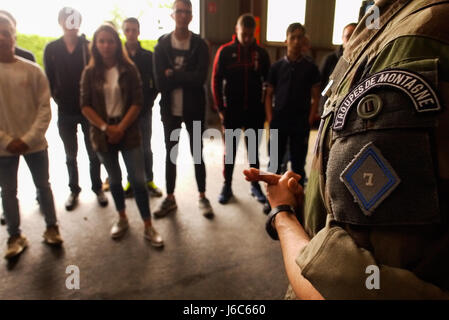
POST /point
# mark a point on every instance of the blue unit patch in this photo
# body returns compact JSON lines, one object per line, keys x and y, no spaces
{"x":412,"y":84}
{"x":370,"y":178}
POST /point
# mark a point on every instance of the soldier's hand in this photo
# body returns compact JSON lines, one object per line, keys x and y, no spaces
{"x":281,"y":190}
{"x":286,"y":191}
{"x":256,"y":175}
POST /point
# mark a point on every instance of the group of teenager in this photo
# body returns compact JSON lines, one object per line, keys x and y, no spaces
{"x":249,"y":92}
{"x":109,"y":90}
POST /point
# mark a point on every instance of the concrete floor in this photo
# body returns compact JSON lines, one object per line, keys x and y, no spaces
{"x":229,"y":257}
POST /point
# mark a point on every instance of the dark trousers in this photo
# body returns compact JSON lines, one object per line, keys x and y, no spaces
{"x":296,"y":141}
{"x":172,"y":127}
{"x":68,"y":128}
{"x":146,"y":128}
{"x":231,"y":144}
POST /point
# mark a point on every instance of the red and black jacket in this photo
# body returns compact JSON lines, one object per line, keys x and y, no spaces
{"x":238,"y":80}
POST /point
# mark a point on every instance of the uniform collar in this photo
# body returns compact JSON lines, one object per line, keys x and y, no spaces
{"x":363,"y":36}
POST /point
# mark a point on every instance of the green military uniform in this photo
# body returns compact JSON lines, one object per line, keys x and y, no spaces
{"x":379,"y":188}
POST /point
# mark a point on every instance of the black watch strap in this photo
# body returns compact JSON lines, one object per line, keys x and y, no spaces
{"x":269,"y":225}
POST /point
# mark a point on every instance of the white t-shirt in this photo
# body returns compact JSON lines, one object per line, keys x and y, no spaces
{"x":181,"y":49}
{"x":24,"y":105}
{"x":112,"y":93}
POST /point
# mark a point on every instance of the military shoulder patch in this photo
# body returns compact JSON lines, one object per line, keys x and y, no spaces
{"x":369,"y":178}
{"x":412,"y":84}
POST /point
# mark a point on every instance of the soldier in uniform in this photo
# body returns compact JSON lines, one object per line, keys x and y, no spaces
{"x":374,"y":220}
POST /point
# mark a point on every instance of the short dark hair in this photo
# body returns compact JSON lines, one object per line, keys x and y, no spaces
{"x":4,"y":19}
{"x":186,"y":2}
{"x":9,"y":16}
{"x":295,"y":26}
{"x":353,"y":24}
{"x":247,"y":20}
{"x":66,"y":12}
{"x":131,"y":20}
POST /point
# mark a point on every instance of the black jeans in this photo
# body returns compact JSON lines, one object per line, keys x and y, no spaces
{"x":172,"y":127}
{"x":297,"y":142}
{"x":68,"y":128}
{"x":145,"y":125}
{"x":252,"y":148}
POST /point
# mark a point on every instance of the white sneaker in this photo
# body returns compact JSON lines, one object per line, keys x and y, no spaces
{"x":153,"y":236}
{"x":16,"y":245}
{"x":119,"y":228}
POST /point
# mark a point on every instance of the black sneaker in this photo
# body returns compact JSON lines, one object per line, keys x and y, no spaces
{"x":257,"y":193}
{"x":167,"y":206}
{"x":225,"y":195}
{"x":72,"y":201}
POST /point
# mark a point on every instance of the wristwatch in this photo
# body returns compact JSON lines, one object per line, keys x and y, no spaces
{"x":104,"y":127}
{"x":269,"y":225}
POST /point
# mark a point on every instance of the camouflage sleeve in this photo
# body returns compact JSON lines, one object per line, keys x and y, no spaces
{"x":333,"y":262}
{"x":324,"y":262}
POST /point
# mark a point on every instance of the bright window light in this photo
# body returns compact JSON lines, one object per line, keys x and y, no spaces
{"x":281,"y":13}
{"x":34,"y":17}
{"x":346,"y":12}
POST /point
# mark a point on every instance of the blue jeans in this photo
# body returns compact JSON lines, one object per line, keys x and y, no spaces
{"x":133,"y":159}
{"x":145,"y":125}
{"x":38,"y":165}
{"x":68,"y":127}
